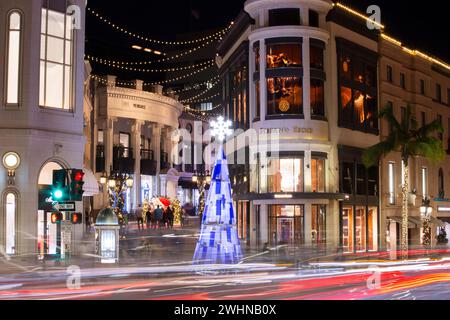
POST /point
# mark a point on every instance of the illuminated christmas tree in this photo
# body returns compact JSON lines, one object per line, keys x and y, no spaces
{"x":219,"y":241}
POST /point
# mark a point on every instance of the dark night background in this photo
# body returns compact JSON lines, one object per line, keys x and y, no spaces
{"x":419,"y":27}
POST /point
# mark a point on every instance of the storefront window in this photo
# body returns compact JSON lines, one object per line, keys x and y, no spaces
{"x":257,"y":57}
{"x":285,"y":175}
{"x":360,"y":226}
{"x":11,"y":211}
{"x":287,"y":224}
{"x":284,"y":17}
{"x":284,"y":96}
{"x":284,"y":55}
{"x":318,"y":174}
{"x":347,"y":229}
{"x":372,"y":221}
{"x":258,"y":99}
{"x":317,"y":98}
{"x":318,"y":224}
{"x":348,"y":174}
{"x":316,"y":57}
{"x":360,"y":179}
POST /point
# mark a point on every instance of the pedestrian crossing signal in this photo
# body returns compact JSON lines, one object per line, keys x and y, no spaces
{"x":56,"y":217}
{"x":76,"y":218}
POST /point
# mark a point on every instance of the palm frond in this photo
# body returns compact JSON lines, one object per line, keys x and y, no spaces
{"x":371,"y":156}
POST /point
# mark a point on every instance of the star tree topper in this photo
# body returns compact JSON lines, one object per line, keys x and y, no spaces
{"x":221,"y":129}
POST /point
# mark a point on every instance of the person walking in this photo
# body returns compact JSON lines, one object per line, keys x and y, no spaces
{"x":159,"y":215}
{"x":139,"y":217}
{"x":148,"y":218}
{"x":170,"y":217}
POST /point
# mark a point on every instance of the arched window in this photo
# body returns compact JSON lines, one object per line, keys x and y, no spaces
{"x":441,"y":184}
{"x":10,"y":222}
{"x":13,"y":57}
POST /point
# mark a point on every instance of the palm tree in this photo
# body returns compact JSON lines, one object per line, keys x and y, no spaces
{"x":410,"y":140}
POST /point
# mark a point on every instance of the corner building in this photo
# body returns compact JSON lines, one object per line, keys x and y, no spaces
{"x":307,"y":70}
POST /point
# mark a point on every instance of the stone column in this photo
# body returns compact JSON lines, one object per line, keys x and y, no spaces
{"x":136,"y":143}
{"x":108,"y":133}
{"x":156,"y":147}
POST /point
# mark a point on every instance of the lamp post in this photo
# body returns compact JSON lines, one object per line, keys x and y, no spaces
{"x":425,"y":212}
{"x":202,"y":179}
{"x":118,"y":183}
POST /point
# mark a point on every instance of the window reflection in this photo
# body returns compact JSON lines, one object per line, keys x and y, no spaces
{"x":318,"y":224}
{"x":318,"y":175}
{"x":317,"y":98}
{"x":285,"y":175}
{"x":287,"y":224}
{"x":284,"y":55}
{"x":284,"y":96}
{"x":316,"y":57}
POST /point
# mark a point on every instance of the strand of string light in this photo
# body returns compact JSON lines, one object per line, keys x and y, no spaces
{"x":219,"y":106}
{"x":203,"y":99}
{"x":196,"y":86}
{"x":201,"y":93}
{"x":161,"y":42}
{"x":115,"y":64}
{"x":123,"y":83}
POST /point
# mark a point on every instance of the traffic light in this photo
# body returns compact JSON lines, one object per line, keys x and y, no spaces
{"x":59,"y":188}
{"x":76,"y":184}
{"x":76,"y":218}
{"x":56,"y":217}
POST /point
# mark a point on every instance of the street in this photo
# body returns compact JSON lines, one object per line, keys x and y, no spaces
{"x":157,"y":264}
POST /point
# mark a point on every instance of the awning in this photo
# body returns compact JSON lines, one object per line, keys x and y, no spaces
{"x":90,"y":186}
{"x":412,"y":222}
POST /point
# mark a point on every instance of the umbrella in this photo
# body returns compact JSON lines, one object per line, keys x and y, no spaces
{"x":164,"y":201}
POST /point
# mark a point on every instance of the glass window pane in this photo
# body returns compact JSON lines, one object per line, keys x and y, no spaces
{"x":13,"y":67}
{"x":42,"y":84}
{"x":318,"y":224}
{"x":298,"y":175}
{"x":284,"y":55}
{"x":55,"y":50}
{"x":54,"y":85}
{"x":14,"y":21}
{"x":372,"y":221}
{"x":10,"y":224}
{"x":69,"y":27}
{"x":360,"y":225}
{"x":316,"y":57}
{"x":318,"y":175}
{"x":317,"y":98}
{"x":55,"y":24}
{"x":68,"y":53}
{"x":284,"y":96}
{"x":43,"y":44}
{"x":67,"y":87}
{"x":347,"y":229}
{"x":44,"y":21}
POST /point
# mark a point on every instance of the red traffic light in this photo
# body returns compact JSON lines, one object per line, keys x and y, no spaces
{"x":79,"y":175}
{"x":76,"y":218}
{"x":56,"y":217}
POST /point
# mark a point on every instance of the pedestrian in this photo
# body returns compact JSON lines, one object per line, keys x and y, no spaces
{"x":170,"y":217}
{"x":183,"y":217}
{"x":139,"y":217}
{"x":159,"y":215}
{"x":148,"y":219}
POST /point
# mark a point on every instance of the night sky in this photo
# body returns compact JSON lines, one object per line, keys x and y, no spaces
{"x":417,"y":26}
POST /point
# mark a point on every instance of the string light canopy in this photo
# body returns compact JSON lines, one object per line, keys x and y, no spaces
{"x":192,"y":99}
{"x":161,"y":42}
{"x":195,"y":86}
{"x":201,"y":100}
{"x":119,"y":65}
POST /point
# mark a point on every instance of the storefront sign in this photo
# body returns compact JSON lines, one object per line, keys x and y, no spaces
{"x":441,"y":200}
{"x":443,"y":209}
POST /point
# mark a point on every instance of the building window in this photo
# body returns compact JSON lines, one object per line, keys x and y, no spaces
{"x":11,"y":215}
{"x":284,"y":55}
{"x":284,"y":17}
{"x":285,"y":175}
{"x":56,"y":60}
{"x":347,"y":229}
{"x":402,"y":114}
{"x":423,"y":118}
{"x":372,"y":181}
{"x":100,"y":137}
{"x":348,"y":177}
{"x":318,"y":175}
{"x":13,"y":63}
{"x":389,"y":74}
{"x":316,"y":56}
{"x":441,"y":186}
{"x":284,"y":96}
{"x":360,"y":226}
{"x":317,"y":98}
{"x":391,"y":177}
{"x":361,"y":179}
{"x":438,"y":93}
{"x":257,"y":56}
{"x":422,"y":87}
{"x":402,"y":81}
{"x":287,"y":224}
{"x":313,"y":18}
{"x":372,"y":223}
{"x":358,"y":91}
{"x":258,"y":99}
{"x":318,"y":224}
{"x":424,"y":183}
{"x":440,"y":135}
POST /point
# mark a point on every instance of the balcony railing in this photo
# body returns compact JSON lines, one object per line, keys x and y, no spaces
{"x":148,"y":162}
{"x":100,"y":158}
{"x":123,"y":159}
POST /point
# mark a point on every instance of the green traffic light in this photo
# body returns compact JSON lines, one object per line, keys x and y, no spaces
{"x":58,"y":194}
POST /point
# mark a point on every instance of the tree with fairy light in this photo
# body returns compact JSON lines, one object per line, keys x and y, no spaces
{"x":176,"y":211}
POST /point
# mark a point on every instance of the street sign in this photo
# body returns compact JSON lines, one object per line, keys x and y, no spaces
{"x":65,"y":206}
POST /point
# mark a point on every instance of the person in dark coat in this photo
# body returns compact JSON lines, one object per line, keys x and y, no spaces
{"x":159,"y":215}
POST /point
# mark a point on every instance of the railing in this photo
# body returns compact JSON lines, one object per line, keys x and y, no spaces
{"x":147,"y":154}
{"x":148,"y":162}
{"x":165,"y":160}
{"x":123,"y":159}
